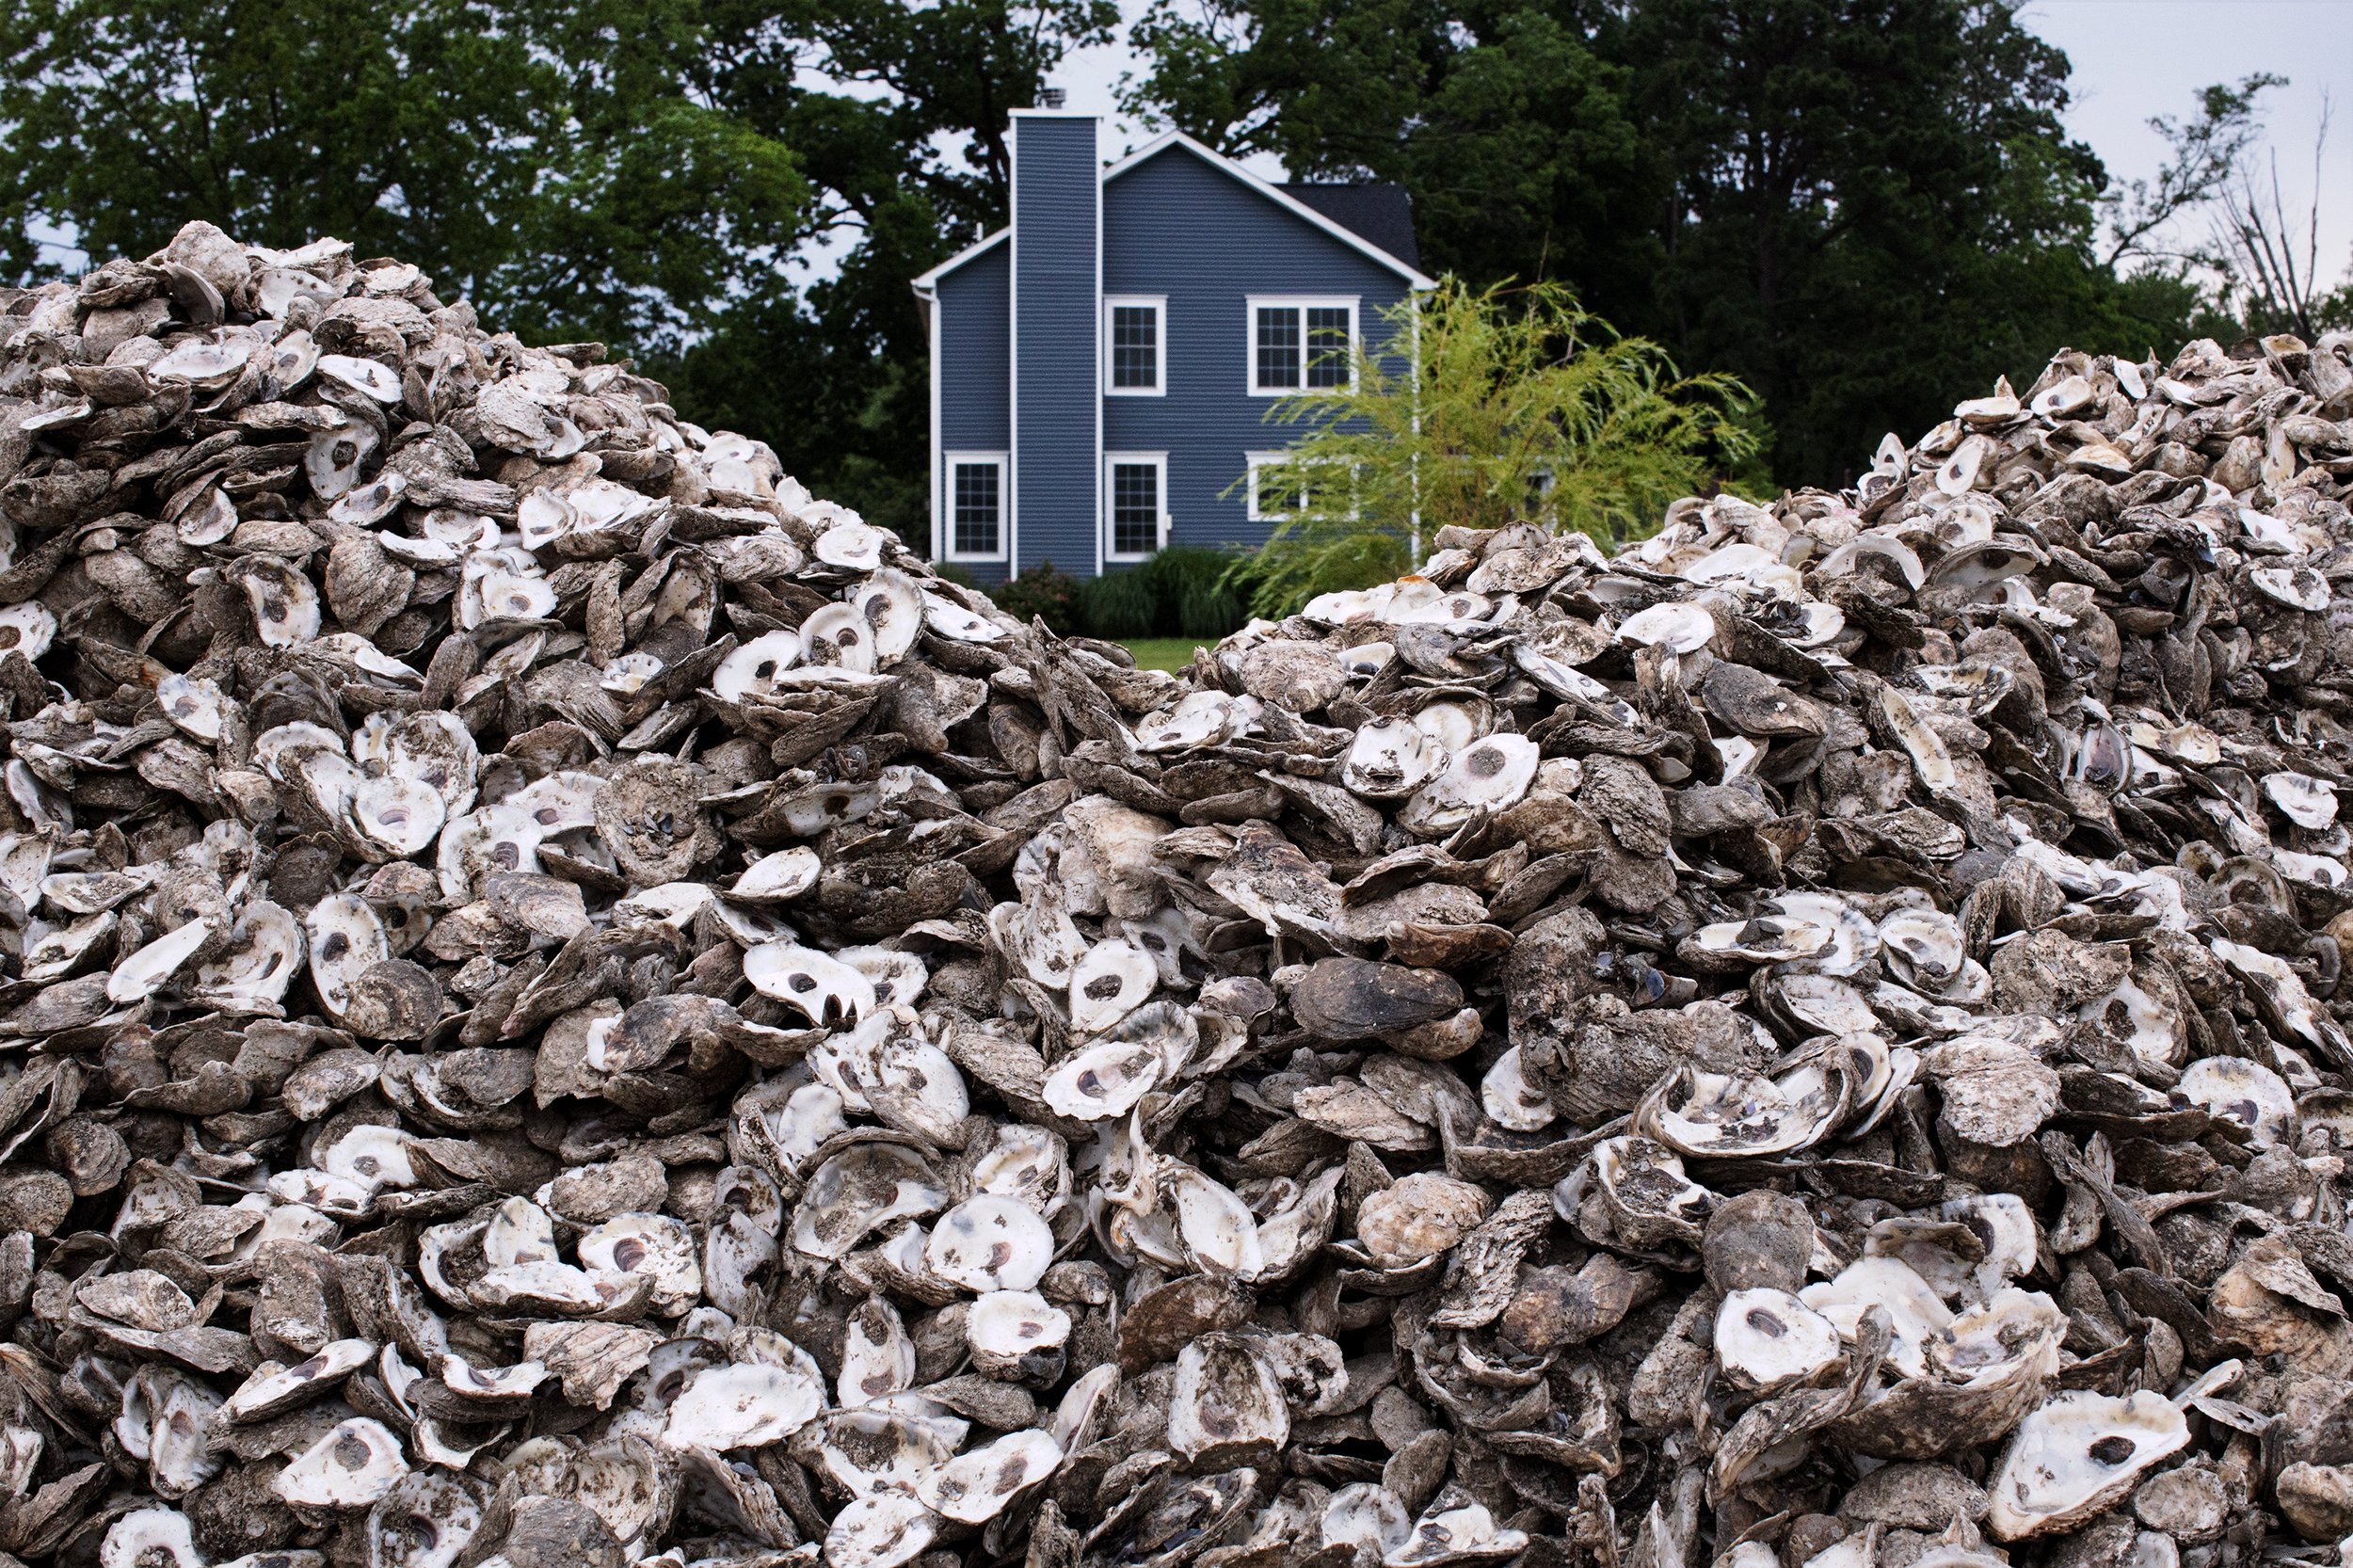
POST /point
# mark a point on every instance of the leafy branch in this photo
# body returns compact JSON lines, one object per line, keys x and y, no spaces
{"x":1485,"y":408}
{"x":2207,"y":152}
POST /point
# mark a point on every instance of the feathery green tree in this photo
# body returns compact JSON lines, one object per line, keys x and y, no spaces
{"x":1486,"y":406}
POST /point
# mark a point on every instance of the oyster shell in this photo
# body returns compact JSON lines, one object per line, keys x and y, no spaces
{"x":572,"y":1002}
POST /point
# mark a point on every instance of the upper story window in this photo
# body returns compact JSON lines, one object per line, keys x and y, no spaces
{"x":1300,"y":344}
{"x":976,"y":506}
{"x":1133,"y":340}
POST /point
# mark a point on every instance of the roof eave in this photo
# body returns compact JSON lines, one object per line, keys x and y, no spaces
{"x":927,"y":282}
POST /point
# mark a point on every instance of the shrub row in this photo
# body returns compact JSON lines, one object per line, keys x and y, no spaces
{"x":1183,"y":591}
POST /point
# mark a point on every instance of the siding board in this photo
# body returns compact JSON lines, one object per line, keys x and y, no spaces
{"x":1019,"y":365}
{"x":974,"y":368}
{"x":1057,"y":406}
{"x":1174,"y":226}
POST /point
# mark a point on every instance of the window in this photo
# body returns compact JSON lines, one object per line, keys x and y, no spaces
{"x":976,"y":506}
{"x":1270,"y":502}
{"x":1136,"y":491}
{"x":1132,"y":338}
{"x":1273,"y":500}
{"x":1298,"y":345}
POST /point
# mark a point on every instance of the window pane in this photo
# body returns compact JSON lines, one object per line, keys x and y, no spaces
{"x":1135,"y":345}
{"x":1278,"y":346}
{"x":1327,"y":346}
{"x":976,"y":524}
{"x":1275,"y":498}
{"x":1135,"y":508}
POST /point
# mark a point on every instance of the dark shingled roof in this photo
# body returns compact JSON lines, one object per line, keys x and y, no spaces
{"x":1381,"y":214}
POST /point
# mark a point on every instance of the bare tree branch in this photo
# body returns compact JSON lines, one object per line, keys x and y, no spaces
{"x":2207,"y":152}
{"x":2257,"y":248}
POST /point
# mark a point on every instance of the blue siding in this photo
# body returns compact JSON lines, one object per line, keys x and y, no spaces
{"x":974,"y":370}
{"x":1056,"y":401}
{"x":1173,"y":225}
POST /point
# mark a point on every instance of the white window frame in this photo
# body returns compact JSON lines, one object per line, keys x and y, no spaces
{"x":1257,"y":461}
{"x":1301,"y":303}
{"x":1113,"y":462}
{"x":1003,"y":462}
{"x":1158,"y":305}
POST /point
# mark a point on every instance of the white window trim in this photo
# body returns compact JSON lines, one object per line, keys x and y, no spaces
{"x":1112,"y":461}
{"x":1003,"y":462}
{"x":1301,"y":303}
{"x":1158,"y":305}
{"x":1257,"y":461}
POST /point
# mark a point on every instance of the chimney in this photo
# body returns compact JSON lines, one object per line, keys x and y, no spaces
{"x":1057,"y":312}
{"x":1050,"y":98}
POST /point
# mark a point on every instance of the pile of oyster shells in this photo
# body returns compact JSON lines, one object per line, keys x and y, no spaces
{"x":567,"y":1004}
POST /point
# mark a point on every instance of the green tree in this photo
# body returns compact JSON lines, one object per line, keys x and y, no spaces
{"x":1512,"y":133}
{"x":1854,"y":205}
{"x":1514,"y":405}
{"x":550,"y":162}
{"x":662,"y":174}
{"x":123,"y":120}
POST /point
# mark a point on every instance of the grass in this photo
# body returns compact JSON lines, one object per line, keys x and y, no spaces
{"x":1162,"y":653}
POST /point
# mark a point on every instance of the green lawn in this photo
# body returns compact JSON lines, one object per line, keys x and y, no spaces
{"x":1163,"y":654}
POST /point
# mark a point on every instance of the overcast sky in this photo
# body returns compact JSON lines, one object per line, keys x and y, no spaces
{"x":2132,"y":59}
{"x":2135,"y":58}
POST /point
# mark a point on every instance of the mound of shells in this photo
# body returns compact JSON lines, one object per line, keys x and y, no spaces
{"x":566,"y":1004}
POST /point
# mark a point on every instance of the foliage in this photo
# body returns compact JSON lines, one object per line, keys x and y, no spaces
{"x":1522,"y":408}
{"x":951,"y":572}
{"x":2206,"y":150}
{"x":1179,"y":591}
{"x":1119,"y":604}
{"x":1853,"y":206}
{"x":1044,"y":593}
{"x":1189,"y":588}
{"x":652,"y":172}
{"x":549,"y":160}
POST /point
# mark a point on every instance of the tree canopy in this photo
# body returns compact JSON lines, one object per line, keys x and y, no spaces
{"x":1854,"y":206}
{"x":658,"y":173}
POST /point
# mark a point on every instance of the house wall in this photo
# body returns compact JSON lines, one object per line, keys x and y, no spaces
{"x":1056,"y":409}
{"x":1174,"y":226}
{"x":973,"y":366}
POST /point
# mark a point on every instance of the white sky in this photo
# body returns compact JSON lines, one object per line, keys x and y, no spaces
{"x":2135,"y":58}
{"x":2132,"y":59}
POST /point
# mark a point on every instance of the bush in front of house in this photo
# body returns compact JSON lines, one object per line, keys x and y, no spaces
{"x":1121,"y":604}
{"x":1183,"y":591}
{"x":1519,"y":406}
{"x":1189,"y":585}
{"x":1044,"y":593}
{"x":1177,"y":592}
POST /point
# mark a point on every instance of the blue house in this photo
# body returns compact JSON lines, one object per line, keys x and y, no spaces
{"x":1102,"y":366}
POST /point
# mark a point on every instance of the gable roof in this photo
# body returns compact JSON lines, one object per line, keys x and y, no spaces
{"x":1382,"y":213}
{"x":924,"y":283}
{"x":1285,"y":197}
{"x":1375,"y":220}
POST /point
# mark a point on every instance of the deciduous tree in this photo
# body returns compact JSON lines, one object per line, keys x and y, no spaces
{"x":1514,"y":406}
